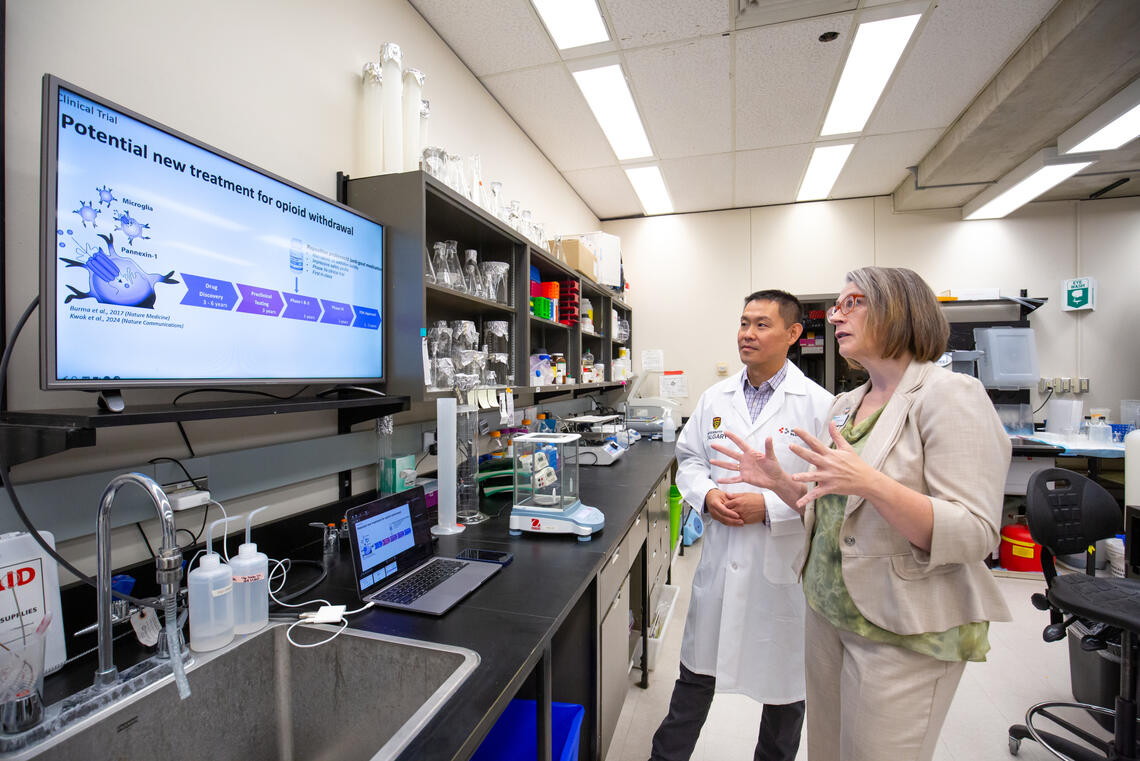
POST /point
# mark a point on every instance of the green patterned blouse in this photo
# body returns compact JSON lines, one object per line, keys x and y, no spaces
{"x":828,"y":596}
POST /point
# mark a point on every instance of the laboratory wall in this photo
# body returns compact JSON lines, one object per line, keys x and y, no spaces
{"x":274,"y":82}
{"x":807,"y":248}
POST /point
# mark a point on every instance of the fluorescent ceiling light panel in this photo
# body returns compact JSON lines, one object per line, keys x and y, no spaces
{"x":876,"y":50}
{"x":1115,"y":123}
{"x":650,"y":188}
{"x":1042,"y":171}
{"x":572,"y":23}
{"x":823,"y":170}
{"x":609,"y":98}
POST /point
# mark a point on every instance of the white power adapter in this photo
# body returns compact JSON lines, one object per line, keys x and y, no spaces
{"x":327,"y":614}
{"x":188,"y":498}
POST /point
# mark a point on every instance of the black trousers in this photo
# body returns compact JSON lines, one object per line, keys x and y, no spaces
{"x":675,"y":739}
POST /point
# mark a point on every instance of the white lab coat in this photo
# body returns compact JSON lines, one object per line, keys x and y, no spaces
{"x":746,"y":617}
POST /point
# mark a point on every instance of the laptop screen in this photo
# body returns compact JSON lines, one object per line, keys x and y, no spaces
{"x":389,"y":536}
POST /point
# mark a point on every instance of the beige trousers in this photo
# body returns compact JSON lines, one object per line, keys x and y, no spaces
{"x":868,"y":701}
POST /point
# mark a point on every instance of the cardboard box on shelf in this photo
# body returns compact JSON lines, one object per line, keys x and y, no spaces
{"x":579,"y":256}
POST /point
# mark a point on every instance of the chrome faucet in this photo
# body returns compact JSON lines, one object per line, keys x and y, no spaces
{"x":168,"y":564}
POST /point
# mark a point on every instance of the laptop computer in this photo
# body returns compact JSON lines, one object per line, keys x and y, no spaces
{"x":394,"y":560}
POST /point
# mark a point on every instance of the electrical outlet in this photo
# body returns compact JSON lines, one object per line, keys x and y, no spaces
{"x":1083,"y":385}
{"x":1066,"y":385}
{"x":1057,"y":385}
{"x":429,"y":439}
{"x":1043,"y":385}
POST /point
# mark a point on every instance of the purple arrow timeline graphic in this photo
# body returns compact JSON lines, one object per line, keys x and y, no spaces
{"x":212,"y":293}
{"x":263,"y":301}
{"x":208,"y":292}
{"x":299,"y":307}
{"x":366,"y":318}
{"x":336,"y":312}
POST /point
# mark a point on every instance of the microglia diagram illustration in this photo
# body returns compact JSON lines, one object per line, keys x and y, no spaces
{"x":130,"y":226}
{"x":115,"y":279}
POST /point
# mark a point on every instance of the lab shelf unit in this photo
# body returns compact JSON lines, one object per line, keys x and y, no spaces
{"x":418,"y":210}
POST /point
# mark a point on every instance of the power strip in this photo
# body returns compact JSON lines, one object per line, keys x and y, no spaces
{"x":188,"y":498}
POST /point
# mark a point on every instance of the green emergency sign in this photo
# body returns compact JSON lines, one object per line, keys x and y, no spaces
{"x":1080,"y":293}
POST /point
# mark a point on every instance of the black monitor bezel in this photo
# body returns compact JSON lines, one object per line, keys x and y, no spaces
{"x":49,"y":156}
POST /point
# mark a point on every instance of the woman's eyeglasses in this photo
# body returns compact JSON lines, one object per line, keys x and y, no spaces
{"x":844,"y":307}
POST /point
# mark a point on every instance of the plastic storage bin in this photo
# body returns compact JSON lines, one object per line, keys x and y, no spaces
{"x":1018,"y":550}
{"x":515,"y":735}
{"x":1009,"y":360}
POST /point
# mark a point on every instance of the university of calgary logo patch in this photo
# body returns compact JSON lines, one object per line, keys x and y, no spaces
{"x":716,"y":423}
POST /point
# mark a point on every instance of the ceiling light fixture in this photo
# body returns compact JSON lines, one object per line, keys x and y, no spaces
{"x":650,"y":188}
{"x":1040,"y":172}
{"x":823,"y":170}
{"x":572,"y":23}
{"x":1115,"y":123}
{"x":875,"y":51}
{"x":608,"y":96}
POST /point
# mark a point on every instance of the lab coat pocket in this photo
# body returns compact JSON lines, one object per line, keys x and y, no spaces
{"x":780,"y":558}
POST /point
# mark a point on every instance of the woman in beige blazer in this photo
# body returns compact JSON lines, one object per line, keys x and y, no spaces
{"x":902,"y":506}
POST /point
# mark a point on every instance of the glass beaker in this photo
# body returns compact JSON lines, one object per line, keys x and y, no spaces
{"x":439,"y":340}
{"x":434,"y":160}
{"x":464,"y":335}
{"x":445,"y":260}
{"x":442,"y":374}
{"x":496,"y":200}
{"x":467,"y":466}
{"x":429,"y":270}
{"x":476,"y":286}
{"x":473,"y":176}
{"x":497,"y":336}
{"x":497,"y":278}
{"x":22,"y":679}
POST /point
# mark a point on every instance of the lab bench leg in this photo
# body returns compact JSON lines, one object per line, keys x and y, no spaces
{"x":544,"y":697}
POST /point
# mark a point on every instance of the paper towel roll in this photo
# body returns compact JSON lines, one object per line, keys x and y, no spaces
{"x":1132,"y":468}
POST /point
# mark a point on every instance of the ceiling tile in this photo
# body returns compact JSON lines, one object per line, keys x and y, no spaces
{"x":783,"y":79}
{"x":606,"y":190}
{"x":959,"y":49}
{"x":490,"y":35}
{"x":685,"y":95}
{"x":549,"y":107}
{"x":648,"y":22}
{"x":878,"y":162}
{"x":699,"y":183}
{"x":771,"y":175}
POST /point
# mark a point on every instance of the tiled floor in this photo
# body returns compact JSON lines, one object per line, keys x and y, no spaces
{"x":1022,"y":669}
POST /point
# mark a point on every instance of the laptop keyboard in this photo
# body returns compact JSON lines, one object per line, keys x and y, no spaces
{"x":421,"y":582}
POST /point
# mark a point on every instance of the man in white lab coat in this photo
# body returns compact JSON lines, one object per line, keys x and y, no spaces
{"x":745,"y":629}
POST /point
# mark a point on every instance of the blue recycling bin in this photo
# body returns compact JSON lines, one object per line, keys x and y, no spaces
{"x":515,"y":735}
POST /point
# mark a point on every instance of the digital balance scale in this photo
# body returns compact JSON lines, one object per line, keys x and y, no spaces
{"x":546,"y":488}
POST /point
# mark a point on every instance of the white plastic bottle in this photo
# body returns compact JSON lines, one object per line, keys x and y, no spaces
{"x":668,"y":427}
{"x":211,"y":589}
{"x":251,"y":583}
{"x":1132,"y":468}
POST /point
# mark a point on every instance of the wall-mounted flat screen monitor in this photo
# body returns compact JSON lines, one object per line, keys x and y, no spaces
{"x":165,"y":262}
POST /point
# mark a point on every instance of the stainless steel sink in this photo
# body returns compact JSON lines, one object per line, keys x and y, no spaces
{"x":361,"y":696}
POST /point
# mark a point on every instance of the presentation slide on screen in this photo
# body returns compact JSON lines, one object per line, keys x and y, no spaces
{"x":380,"y":539}
{"x":175,"y":263}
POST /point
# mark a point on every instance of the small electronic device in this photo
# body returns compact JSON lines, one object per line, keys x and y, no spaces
{"x":485,"y":555}
{"x":166,"y":262}
{"x":395,"y":562}
{"x":606,"y":453}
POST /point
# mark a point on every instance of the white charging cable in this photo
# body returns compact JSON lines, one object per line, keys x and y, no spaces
{"x":329,"y":614}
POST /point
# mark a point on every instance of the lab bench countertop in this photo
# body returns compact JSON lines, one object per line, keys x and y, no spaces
{"x":510,"y":619}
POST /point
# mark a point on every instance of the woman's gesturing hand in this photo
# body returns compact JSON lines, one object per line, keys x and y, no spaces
{"x":837,"y":471}
{"x":758,"y":468}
